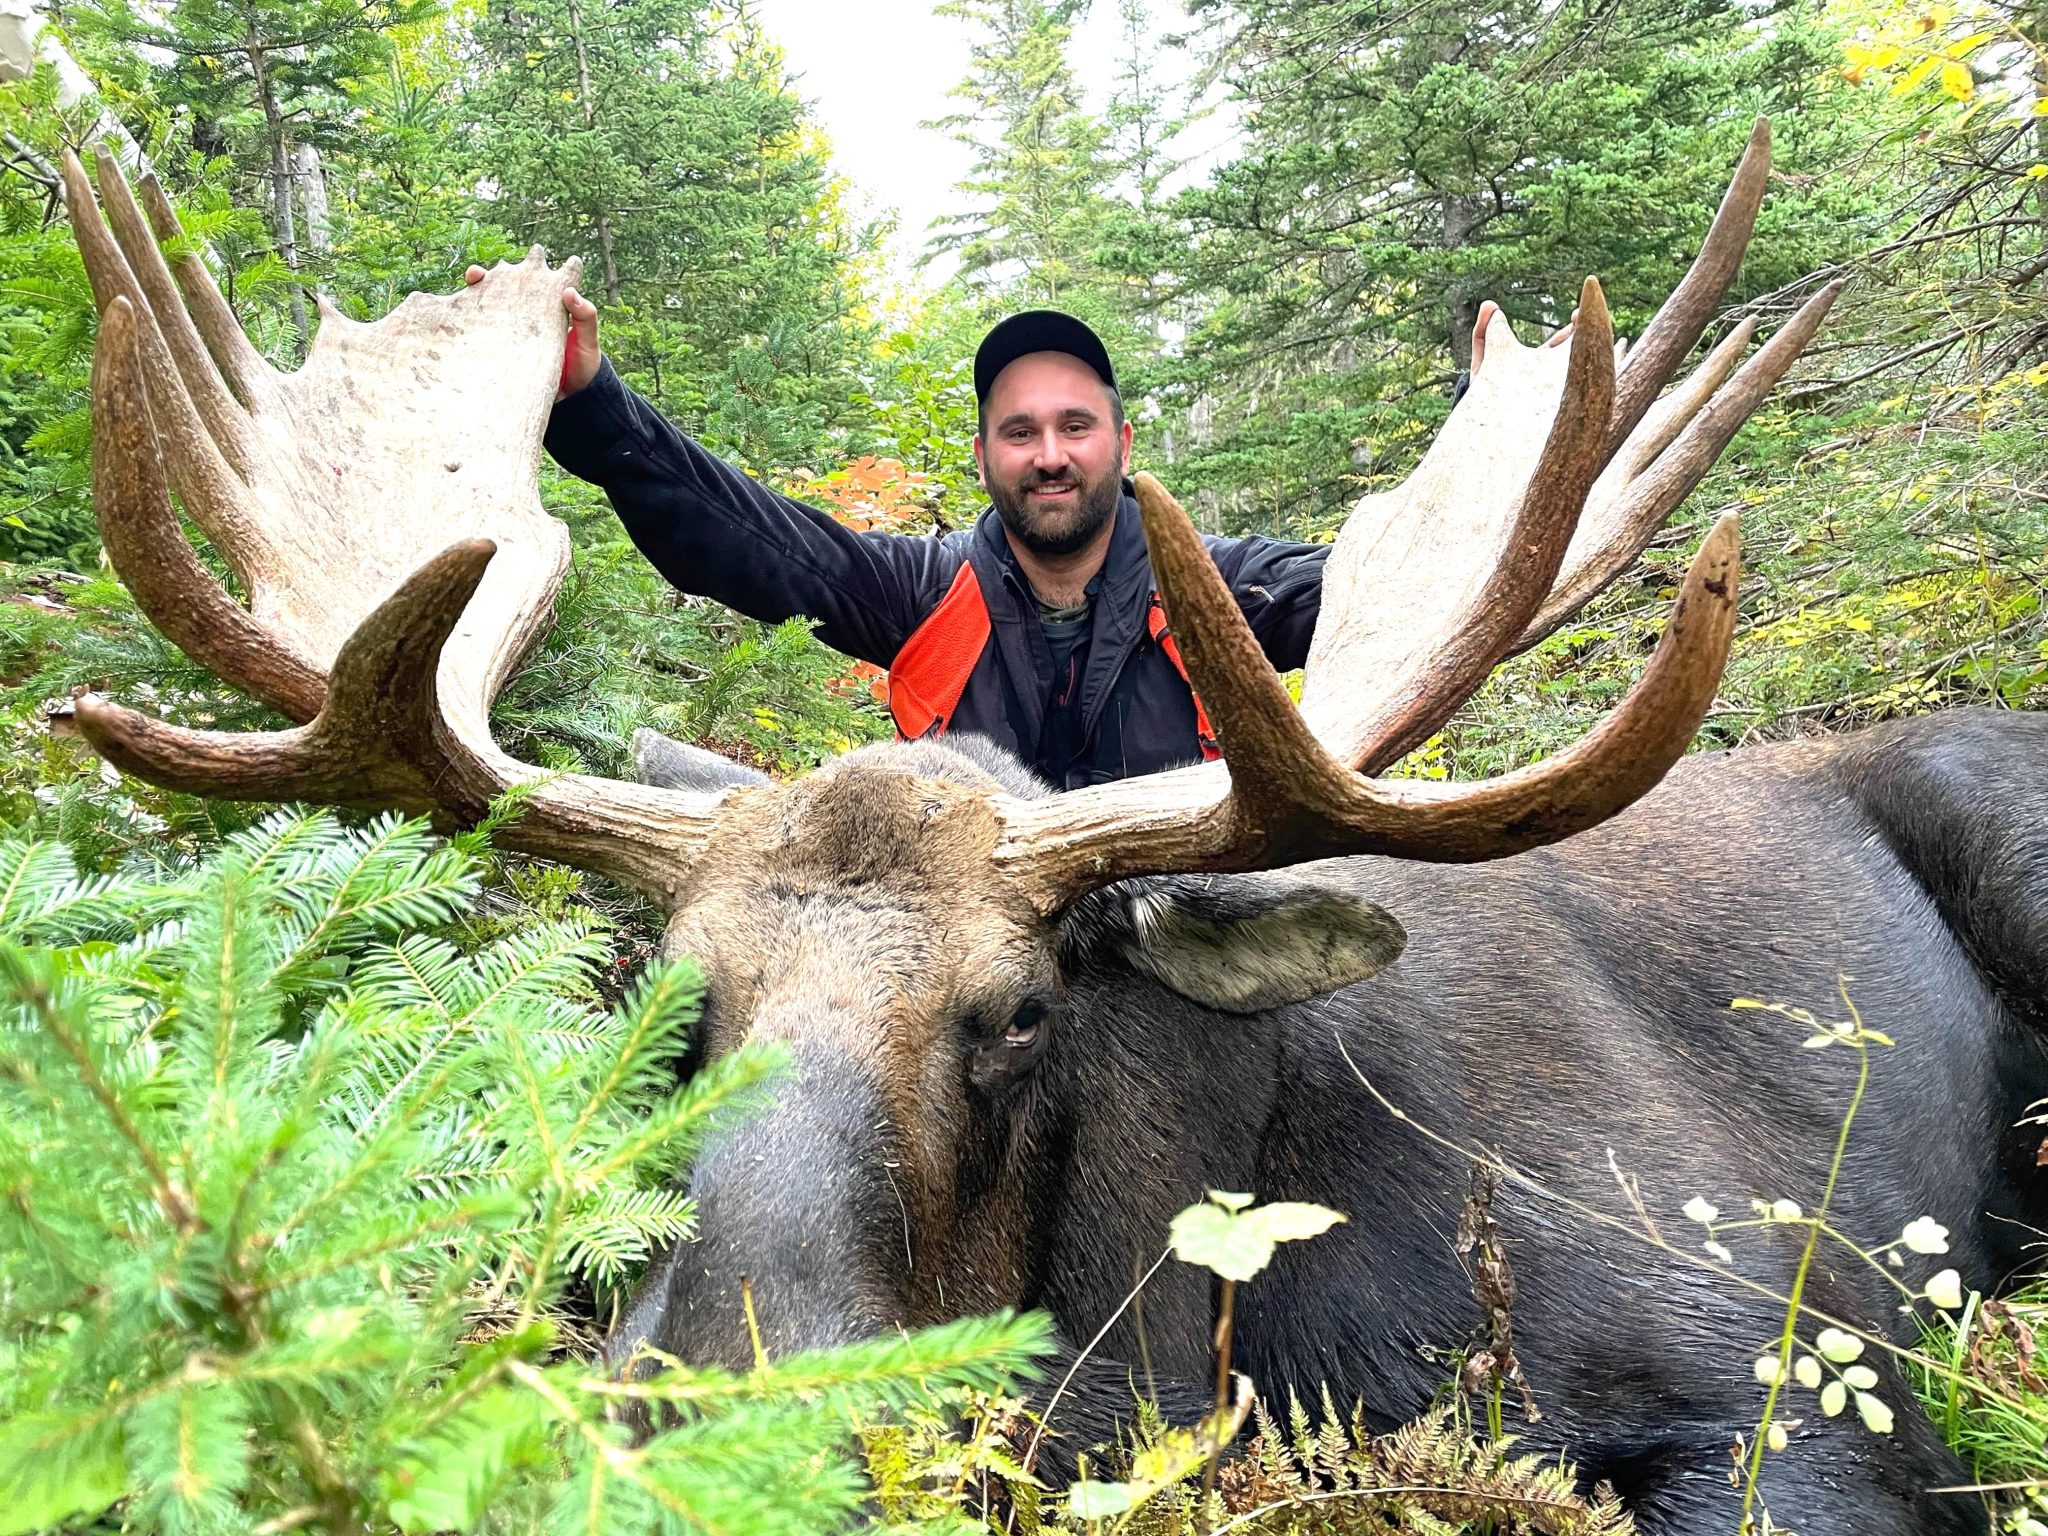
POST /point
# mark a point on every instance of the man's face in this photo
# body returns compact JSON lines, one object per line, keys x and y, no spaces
{"x":1053,"y":456}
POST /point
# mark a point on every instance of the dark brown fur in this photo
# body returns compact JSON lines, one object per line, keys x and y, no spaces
{"x":919,"y":1166}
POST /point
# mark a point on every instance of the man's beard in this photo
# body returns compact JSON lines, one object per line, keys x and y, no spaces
{"x":1051,"y":533}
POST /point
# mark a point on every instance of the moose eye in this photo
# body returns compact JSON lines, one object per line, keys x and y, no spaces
{"x":1024,"y":1025}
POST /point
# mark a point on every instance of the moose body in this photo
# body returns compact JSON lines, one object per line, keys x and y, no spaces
{"x":1552,"y":1007}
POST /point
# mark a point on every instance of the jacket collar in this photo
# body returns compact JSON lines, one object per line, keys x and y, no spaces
{"x":1123,"y":593}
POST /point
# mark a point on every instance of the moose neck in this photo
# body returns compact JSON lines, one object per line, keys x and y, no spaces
{"x":1147,"y":1101}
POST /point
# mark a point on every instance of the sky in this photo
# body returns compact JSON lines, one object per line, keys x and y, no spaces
{"x":875,"y":69}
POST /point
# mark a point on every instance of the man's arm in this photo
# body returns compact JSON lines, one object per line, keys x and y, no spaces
{"x":712,"y":530}
{"x":1279,"y":585}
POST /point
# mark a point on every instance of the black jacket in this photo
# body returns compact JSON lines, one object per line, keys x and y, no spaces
{"x":712,"y":530}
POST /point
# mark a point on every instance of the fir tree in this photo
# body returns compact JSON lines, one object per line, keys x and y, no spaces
{"x":1040,"y":171}
{"x":261,"y":78}
{"x":661,"y":141}
{"x":296,"y":1187}
{"x":1401,"y":165}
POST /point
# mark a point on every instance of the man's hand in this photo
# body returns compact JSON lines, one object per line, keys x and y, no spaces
{"x":580,"y":353}
{"x":1556,"y":338}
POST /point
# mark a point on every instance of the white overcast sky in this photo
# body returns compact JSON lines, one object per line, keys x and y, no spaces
{"x":873,"y":70}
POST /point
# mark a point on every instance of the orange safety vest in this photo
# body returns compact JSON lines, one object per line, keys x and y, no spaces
{"x":930,"y":673}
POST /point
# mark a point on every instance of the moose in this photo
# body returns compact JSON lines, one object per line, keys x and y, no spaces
{"x":1026,"y":1029}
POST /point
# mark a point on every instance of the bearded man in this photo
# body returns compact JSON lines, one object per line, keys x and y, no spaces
{"x":1039,"y":627}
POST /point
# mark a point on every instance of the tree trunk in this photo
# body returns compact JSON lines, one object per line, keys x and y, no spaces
{"x":1460,"y":219}
{"x":283,"y":226}
{"x":604,"y":221}
{"x":1202,"y":434}
{"x":313,"y":197}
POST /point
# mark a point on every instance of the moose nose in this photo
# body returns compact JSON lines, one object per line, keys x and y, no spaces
{"x":795,"y":1220}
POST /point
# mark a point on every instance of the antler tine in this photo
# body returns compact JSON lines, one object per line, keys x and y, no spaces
{"x":220,"y":410}
{"x":1683,"y":317}
{"x":244,"y":368}
{"x":1487,"y":519}
{"x":386,"y":738}
{"x":200,"y":472}
{"x":142,"y":536}
{"x":372,"y":744}
{"x":1262,"y":734}
{"x":1626,"y":511}
{"x":1667,"y":418}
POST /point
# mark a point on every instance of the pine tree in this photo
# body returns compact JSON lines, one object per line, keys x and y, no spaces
{"x":661,"y":141}
{"x":297,"y":1185}
{"x":1040,"y":169}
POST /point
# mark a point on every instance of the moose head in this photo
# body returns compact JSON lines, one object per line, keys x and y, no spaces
{"x":909,"y":919}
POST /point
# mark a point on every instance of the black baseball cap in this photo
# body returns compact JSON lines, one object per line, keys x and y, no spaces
{"x":1037,"y":330}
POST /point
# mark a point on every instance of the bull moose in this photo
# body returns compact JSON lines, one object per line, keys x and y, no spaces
{"x":1027,"y":1028}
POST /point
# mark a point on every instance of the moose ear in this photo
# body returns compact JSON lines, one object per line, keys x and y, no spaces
{"x":1239,"y":943}
{"x":669,"y":764}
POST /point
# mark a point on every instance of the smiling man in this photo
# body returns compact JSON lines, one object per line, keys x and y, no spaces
{"x":1038,"y":627}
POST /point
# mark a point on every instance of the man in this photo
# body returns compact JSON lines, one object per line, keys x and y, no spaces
{"x":1039,"y":627}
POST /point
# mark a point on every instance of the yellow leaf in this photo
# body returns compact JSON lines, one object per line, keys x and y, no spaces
{"x":1957,"y":80}
{"x":1920,"y":71}
{"x":1871,"y":55}
{"x":2036,"y":172}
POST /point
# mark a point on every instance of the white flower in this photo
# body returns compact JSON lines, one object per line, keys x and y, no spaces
{"x":1766,"y":1369}
{"x":1833,"y":1398}
{"x":1807,"y":1373}
{"x":1833,"y":1344}
{"x":1785,"y":1210}
{"x":1925,"y":1236}
{"x":1701,"y":1210}
{"x":1718,"y":1251}
{"x":1945,"y":1290}
{"x":1875,"y":1413}
{"x":1861,"y":1377}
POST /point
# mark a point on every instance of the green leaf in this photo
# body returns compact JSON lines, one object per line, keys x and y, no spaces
{"x":1219,"y":1242}
{"x":1227,"y":1239}
{"x":1098,"y":1501}
{"x":55,"y":1466}
{"x":1289,"y":1221}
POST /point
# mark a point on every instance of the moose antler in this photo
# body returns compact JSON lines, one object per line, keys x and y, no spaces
{"x":322,"y":490}
{"x":1549,"y":478}
{"x":327,"y":490}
